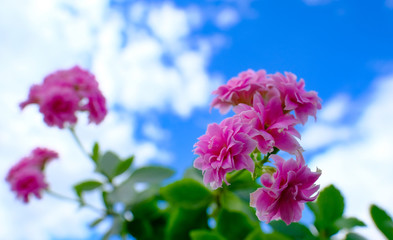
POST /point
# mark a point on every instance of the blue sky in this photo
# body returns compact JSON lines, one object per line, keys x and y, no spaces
{"x":157,"y":63}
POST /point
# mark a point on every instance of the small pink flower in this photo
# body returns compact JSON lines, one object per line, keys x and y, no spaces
{"x":225,"y":147}
{"x":65,"y":92}
{"x":295,"y":97}
{"x":26,"y":177}
{"x":28,"y":181}
{"x":275,"y":128}
{"x":240,"y":89}
{"x":286,"y":191}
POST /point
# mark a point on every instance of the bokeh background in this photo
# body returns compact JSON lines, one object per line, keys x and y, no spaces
{"x":157,"y":63}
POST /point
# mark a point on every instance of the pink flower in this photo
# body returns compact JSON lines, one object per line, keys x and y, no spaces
{"x":65,"y":92}
{"x":225,"y":147}
{"x":275,"y":128}
{"x":59,"y":106}
{"x":241,"y":89}
{"x":295,"y":97}
{"x":28,"y":181}
{"x":286,"y":191}
{"x":26,"y":177}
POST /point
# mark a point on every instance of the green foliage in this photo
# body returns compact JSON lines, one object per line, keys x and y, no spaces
{"x":382,"y":220}
{"x":85,"y":186}
{"x":182,"y":221}
{"x":234,"y":225}
{"x":328,"y":208}
{"x":107,"y":164}
{"x":257,"y":234}
{"x":187,"y":193}
{"x":95,"y":153}
{"x":295,"y":231}
{"x":205,"y":235}
{"x":354,"y":236}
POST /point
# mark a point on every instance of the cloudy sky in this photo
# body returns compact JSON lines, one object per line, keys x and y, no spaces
{"x":157,"y":63}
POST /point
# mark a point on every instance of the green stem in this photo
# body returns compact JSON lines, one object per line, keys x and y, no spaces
{"x":78,"y":142}
{"x":60,"y":196}
{"x":235,"y":175}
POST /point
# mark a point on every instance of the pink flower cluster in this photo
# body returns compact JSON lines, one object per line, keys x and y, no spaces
{"x":27,"y":177}
{"x":65,"y":92}
{"x":285,"y":191}
{"x":263,"y":120}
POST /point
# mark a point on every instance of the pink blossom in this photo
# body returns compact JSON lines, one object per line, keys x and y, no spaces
{"x":59,"y":106}
{"x":295,"y":97}
{"x":225,"y":147}
{"x":65,"y":92}
{"x":275,"y":128}
{"x":28,"y":181}
{"x":286,"y":191}
{"x":27,"y":176}
{"x":241,"y":89}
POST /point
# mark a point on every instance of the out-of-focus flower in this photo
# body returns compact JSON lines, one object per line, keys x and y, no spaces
{"x":27,"y":177}
{"x":225,"y":147}
{"x":65,"y":92}
{"x":286,"y":191}
{"x":28,"y":181}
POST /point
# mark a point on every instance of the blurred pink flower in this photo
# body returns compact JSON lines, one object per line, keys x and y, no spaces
{"x":240,"y":89}
{"x":65,"y":92}
{"x":295,"y":97}
{"x":275,"y":128}
{"x":26,"y":177}
{"x":28,"y":181}
{"x":286,"y":191}
{"x":225,"y":147}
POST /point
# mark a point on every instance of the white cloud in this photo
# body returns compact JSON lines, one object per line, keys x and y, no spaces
{"x":227,"y":18}
{"x":361,"y":163}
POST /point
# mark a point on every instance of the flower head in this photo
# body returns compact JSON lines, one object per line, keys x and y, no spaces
{"x":225,"y":147}
{"x":286,"y":191}
{"x":240,"y":89}
{"x":275,"y":128}
{"x":295,"y":97}
{"x":65,"y":92}
{"x":27,"y":177}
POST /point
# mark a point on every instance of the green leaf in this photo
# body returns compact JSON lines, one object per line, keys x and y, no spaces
{"x":234,"y":225}
{"x":187,"y":193}
{"x":382,"y":220}
{"x":257,"y":234}
{"x":151,"y":174}
{"x":205,"y":235}
{"x":354,"y":236}
{"x":107,"y":164}
{"x":116,"y":228}
{"x":295,"y":231}
{"x":182,"y":221}
{"x":88,"y":185}
{"x":123,"y":166}
{"x":96,"y":222}
{"x":329,"y":207}
{"x":232,"y":202}
{"x":349,"y":223}
{"x":331,"y":204}
{"x":193,"y":173}
{"x":95,"y":153}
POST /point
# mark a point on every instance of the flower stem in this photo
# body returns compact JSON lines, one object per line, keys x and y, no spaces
{"x":60,"y":196}
{"x":78,"y":142}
